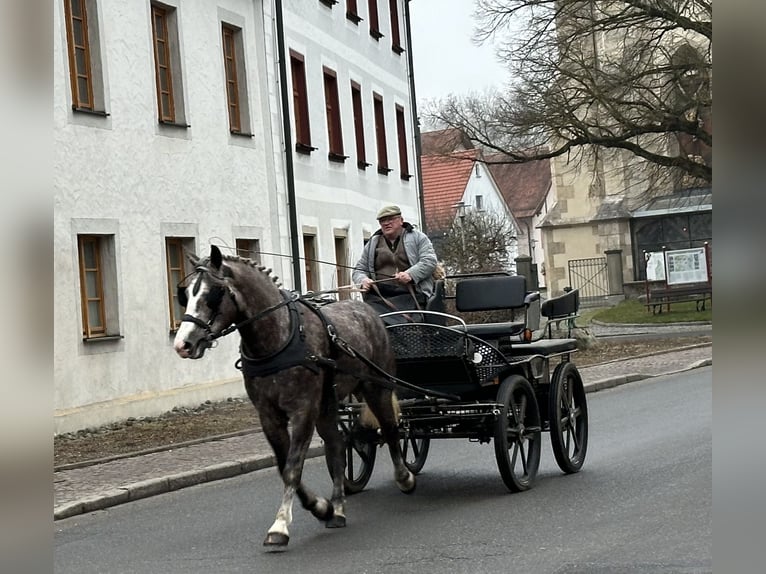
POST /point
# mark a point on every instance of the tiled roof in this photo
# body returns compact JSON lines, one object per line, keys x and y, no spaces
{"x":523,"y":185}
{"x":444,"y":181}
{"x":444,"y":142}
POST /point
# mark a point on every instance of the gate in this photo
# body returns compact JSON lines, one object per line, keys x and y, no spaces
{"x":590,"y":277}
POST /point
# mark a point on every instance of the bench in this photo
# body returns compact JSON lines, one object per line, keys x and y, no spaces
{"x":658,"y":298}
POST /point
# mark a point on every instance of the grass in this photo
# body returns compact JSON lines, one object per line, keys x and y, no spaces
{"x":633,"y":311}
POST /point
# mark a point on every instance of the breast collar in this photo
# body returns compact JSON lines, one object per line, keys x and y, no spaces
{"x":292,"y":354}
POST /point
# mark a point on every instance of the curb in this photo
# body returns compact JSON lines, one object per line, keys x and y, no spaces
{"x":151,"y":487}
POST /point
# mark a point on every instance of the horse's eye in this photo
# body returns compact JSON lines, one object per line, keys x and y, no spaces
{"x":183,"y":300}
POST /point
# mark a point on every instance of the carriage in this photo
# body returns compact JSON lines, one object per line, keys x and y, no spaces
{"x":486,"y":382}
{"x":299,"y":358}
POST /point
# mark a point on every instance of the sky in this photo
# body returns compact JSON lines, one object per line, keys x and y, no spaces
{"x":445,"y":58}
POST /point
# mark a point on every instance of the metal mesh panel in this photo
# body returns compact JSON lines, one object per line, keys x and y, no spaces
{"x":423,"y":341}
{"x":420,"y":341}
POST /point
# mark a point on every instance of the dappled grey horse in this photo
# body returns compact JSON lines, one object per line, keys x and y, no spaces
{"x":296,"y":359}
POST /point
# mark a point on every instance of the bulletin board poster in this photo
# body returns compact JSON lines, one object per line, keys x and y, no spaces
{"x":655,"y":266}
{"x":686,"y":266}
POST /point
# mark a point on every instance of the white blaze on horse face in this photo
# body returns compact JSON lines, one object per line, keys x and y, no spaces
{"x":189,"y":332}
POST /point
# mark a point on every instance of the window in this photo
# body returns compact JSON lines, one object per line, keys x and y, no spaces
{"x":342,"y":275}
{"x":352,"y":12}
{"x":249,"y":249}
{"x":300,"y":104}
{"x":375,"y":32}
{"x":479,"y":202}
{"x":393,"y":9}
{"x":83,"y":46}
{"x":167,"y":65}
{"x":380,"y":134}
{"x":310,"y":262}
{"x":176,"y":266}
{"x":98,"y":286}
{"x":236,"y":84}
{"x":356,"y":102}
{"x":332,"y":107}
{"x":401,"y":134}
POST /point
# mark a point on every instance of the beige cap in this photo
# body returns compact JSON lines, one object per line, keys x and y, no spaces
{"x":388,"y":211}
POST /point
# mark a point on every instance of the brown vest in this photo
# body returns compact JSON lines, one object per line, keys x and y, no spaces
{"x":389,"y":262}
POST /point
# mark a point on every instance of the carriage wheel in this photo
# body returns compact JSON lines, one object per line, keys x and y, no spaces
{"x":517,"y":434}
{"x":414,"y":451}
{"x":569,"y":418}
{"x":360,"y":460}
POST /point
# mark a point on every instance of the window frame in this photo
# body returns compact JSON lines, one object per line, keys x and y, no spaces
{"x":352,"y":12}
{"x":169,"y":115}
{"x":248,"y":248}
{"x":180,"y":244}
{"x":102,"y":330}
{"x":301,"y":122}
{"x":374,"y":16}
{"x":393,"y":10}
{"x":310,"y":261}
{"x":401,"y":136}
{"x":332,"y":111}
{"x":92,"y":67}
{"x":380,"y":134}
{"x":358,"y":111}
{"x":232,"y":82}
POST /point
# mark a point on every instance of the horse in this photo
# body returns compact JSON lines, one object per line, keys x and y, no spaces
{"x":297,"y":359}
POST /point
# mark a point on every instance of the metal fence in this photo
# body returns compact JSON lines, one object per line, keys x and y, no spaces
{"x":590,"y":277}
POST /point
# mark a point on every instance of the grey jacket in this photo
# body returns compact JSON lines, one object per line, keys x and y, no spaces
{"x":419,"y":251}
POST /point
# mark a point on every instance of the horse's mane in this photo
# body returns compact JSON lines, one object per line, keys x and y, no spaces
{"x":249,"y":263}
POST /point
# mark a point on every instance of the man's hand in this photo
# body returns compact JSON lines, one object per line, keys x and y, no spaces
{"x":366,"y":284}
{"x":403,"y":277}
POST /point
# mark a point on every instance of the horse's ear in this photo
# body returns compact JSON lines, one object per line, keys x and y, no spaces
{"x":216,"y":259}
{"x":193,"y":259}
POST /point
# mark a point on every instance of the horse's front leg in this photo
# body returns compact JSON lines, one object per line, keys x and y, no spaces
{"x":303,"y":431}
{"x":334,"y":448}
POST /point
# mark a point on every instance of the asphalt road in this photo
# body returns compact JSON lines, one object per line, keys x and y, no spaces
{"x":641,"y":505}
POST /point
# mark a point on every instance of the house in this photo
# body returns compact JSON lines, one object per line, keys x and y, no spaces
{"x":275,"y":130}
{"x":455,"y":184}
{"x":527,"y":189}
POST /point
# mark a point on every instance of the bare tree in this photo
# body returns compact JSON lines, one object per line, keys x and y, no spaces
{"x":629,"y":79}
{"x":478,"y":241}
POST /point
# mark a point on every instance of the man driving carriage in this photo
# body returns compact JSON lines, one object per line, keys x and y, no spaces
{"x":396,"y":267}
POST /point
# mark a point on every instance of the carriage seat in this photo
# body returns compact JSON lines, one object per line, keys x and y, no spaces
{"x":562,"y":308}
{"x":493,"y":293}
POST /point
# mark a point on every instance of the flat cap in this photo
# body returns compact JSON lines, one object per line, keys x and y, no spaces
{"x":388,"y":211}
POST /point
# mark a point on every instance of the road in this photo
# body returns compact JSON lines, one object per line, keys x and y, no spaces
{"x":641,"y":505}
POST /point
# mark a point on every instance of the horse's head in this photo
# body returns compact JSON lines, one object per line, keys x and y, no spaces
{"x":210,"y":306}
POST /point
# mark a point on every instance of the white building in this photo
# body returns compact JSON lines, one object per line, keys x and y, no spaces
{"x":168,"y":131}
{"x":352,"y":131}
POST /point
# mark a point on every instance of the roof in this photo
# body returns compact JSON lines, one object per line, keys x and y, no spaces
{"x":524,"y":186}
{"x":444,"y":142}
{"x":681,"y":201}
{"x":444,"y":181}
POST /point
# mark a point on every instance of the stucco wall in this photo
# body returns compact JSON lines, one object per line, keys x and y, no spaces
{"x":127,"y":176}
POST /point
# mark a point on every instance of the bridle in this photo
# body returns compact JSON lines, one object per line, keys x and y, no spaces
{"x":214,"y":304}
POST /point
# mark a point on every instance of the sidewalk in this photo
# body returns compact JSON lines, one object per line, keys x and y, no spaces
{"x":82,"y":490}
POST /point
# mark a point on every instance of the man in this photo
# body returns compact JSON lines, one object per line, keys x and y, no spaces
{"x":396,"y":265}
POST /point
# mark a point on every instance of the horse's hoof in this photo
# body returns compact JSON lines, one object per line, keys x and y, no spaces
{"x":276,"y":541}
{"x":337,"y":521}
{"x":324,"y":510}
{"x":408,"y":486}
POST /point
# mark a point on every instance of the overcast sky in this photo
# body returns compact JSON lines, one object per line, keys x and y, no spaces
{"x":445,"y":59}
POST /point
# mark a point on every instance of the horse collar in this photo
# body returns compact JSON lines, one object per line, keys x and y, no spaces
{"x":291,"y":354}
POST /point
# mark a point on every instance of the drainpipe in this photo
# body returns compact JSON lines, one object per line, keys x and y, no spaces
{"x":415,"y":120}
{"x":289,"y":172}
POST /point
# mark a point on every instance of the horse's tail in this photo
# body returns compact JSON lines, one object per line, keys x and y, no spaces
{"x":369,"y":420}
